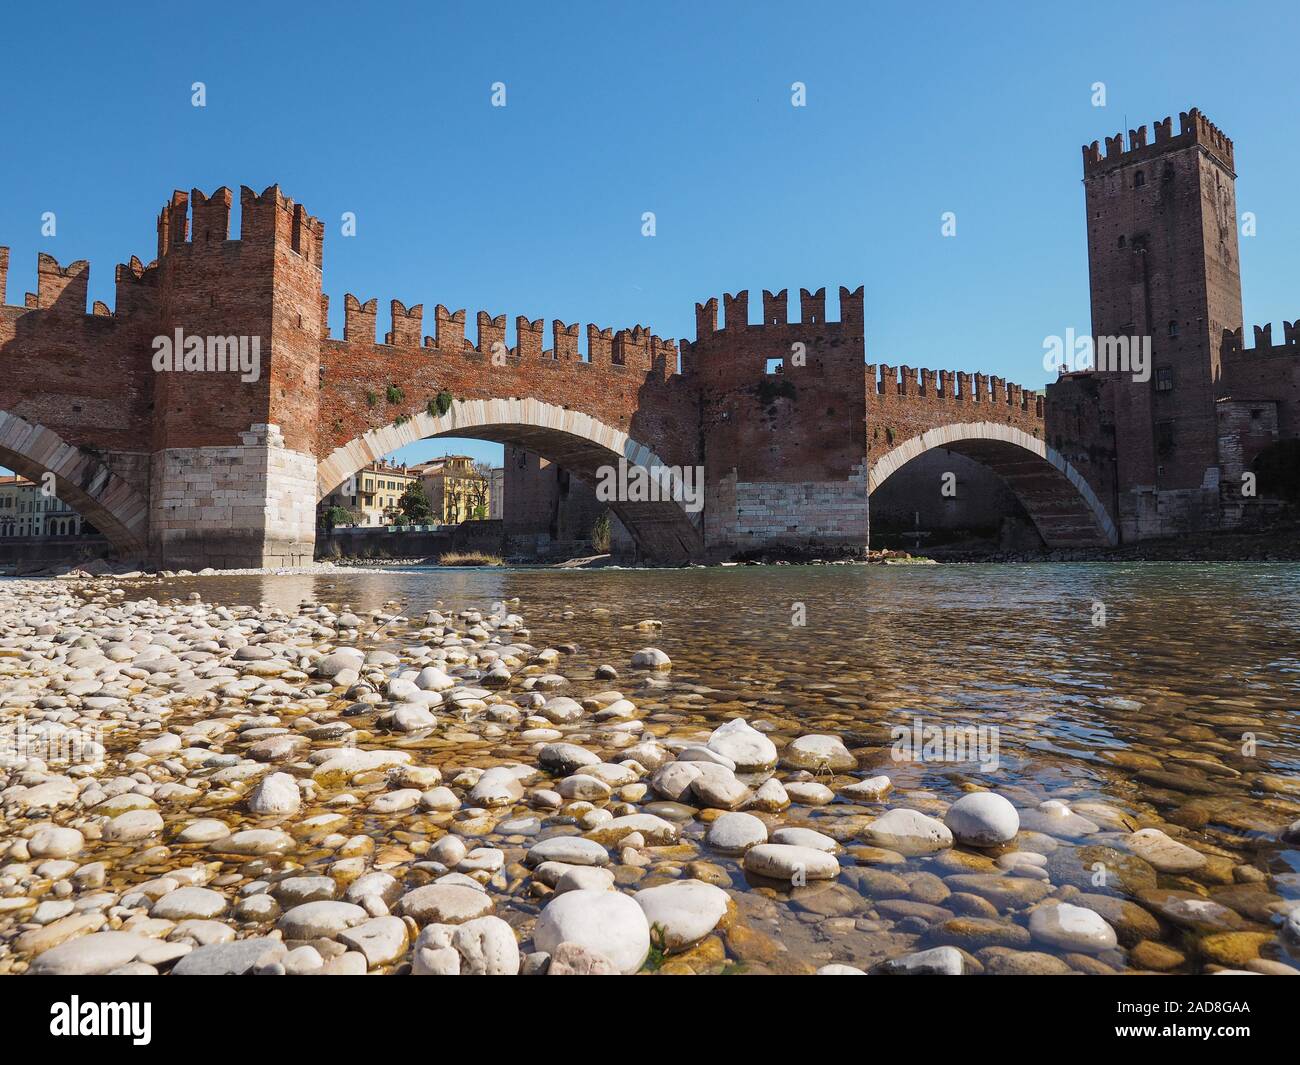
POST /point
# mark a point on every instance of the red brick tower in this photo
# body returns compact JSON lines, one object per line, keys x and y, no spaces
{"x":233,"y":479}
{"x":1163,"y":263}
{"x":783,"y":423}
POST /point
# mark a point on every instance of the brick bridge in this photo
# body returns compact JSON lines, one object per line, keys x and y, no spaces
{"x":196,"y":466}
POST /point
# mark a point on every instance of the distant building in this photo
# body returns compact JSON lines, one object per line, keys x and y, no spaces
{"x":457,"y":490}
{"x":372,"y":495}
{"x":27,"y":511}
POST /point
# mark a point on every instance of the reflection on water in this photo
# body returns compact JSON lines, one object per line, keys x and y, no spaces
{"x":1198,"y":646}
{"x":1179,"y":710}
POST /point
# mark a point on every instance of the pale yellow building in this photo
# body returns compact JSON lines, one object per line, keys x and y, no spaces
{"x":25,"y":510}
{"x":457,"y":491}
{"x":373,"y":493}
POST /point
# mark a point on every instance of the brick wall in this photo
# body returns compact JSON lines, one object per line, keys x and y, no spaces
{"x":902,"y":403}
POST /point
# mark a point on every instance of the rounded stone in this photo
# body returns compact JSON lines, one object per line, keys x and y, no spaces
{"x":132,"y":826}
{"x":1070,"y":927}
{"x":818,"y":753}
{"x":380,"y":940}
{"x":571,"y":850}
{"x":1164,"y":854}
{"x":275,"y":795}
{"x":781,"y":861}
{"x":487,"y":947}
{"x":734,"y":833}
{"x":685,"y":911}
{"x":445,"y":904}
{"x":204,"y":830}
{"x":566,"y":757}
{"x":908,"y":832}
{"x":584,"y":878}
{"x":1099,"y":869}
{"x":320,"y":920}
{"x":253,"y":841}
{"x":872,"y":789}
{"x":744,"y":745}
{"x":189,"y":903}
{"x":805,"y":837}
{"x":608,"y":923}
{"x":55,"y":842}
{"x":651,"y":658}
{"x":656,"y":831}
{"x":982,"y":819}
{"x":92,"y":955}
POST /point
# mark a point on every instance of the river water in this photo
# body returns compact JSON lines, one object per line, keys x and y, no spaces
{"x":1168,"y":692}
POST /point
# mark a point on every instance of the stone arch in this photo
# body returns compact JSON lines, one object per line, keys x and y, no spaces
{"x":664,"y":531}
{"x":1057,"y":497}
{"x":83,"y":482}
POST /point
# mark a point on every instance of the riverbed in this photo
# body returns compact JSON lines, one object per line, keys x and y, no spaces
{"x":1137,"y":719}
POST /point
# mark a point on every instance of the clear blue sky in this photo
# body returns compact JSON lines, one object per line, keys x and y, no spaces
{"x":680,"y":108}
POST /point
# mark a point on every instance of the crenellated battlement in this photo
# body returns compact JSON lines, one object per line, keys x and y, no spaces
{"x":776,"y":311}
{"x":194,"y":219}
{"x":1233,"y":347}
{"x":1193,"y":128}
{"x":635,"y":348}
{"x":65,"y":289}
{"x":951,"y":387}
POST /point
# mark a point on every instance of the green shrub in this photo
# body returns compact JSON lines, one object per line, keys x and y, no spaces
{"x":600,"y":534}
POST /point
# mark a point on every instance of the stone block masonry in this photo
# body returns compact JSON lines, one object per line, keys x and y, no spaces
{"x":227,"y":506}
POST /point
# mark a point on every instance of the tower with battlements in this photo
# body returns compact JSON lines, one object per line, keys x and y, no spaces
{"x":782,"y":422}
{"x":1163,"y":264}
{"x":233,"y":475}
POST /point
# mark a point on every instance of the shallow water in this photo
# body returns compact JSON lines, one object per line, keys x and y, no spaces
{"x":1210,"y":652}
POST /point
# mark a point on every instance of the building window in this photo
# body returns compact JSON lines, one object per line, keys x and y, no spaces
{"x":1121,"y":240}
{"x":1173,"y":327}
{"x":1139,"y":179}
{"x":1164,"y":379}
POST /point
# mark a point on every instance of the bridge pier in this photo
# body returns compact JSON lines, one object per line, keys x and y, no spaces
{"x":245,"y":507}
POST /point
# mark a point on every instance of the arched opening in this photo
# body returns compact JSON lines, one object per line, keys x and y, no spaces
{"x":1277,"y":470}
{"x":661,"y":526}
{"x":946,"y":502}
{"x":78,"y":479}
{"x":1055,"y":497}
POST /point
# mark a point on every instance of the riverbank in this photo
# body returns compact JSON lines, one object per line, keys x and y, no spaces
{"x":197,"y":786}
{"x":1281,"y":544}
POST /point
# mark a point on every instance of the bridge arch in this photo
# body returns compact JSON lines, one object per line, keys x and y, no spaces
{"x":663,"y":530}
{"x":83,"y":482}
{"x":1057,"y":497}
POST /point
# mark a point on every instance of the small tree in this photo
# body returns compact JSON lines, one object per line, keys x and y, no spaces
{"x":336,"y":515}
{"x":600,"y":534}
{"x":413,"y":507}
{"x":477,"y":492}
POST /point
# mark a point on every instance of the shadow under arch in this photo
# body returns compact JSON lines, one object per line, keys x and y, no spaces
{"x":1057,"y":497}
{"x":80,"y":479}
{"x":664,"y":531}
